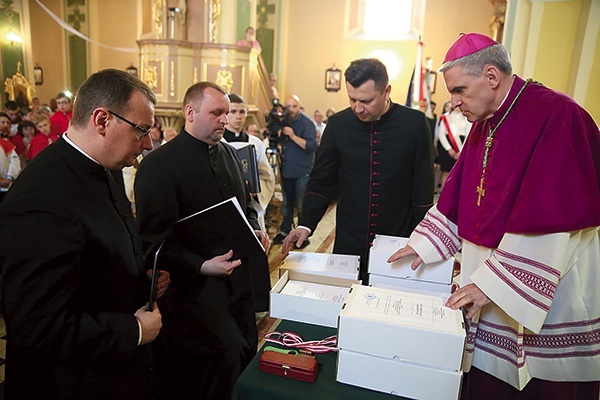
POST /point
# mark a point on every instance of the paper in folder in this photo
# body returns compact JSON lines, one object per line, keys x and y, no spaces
{"x":216,"y":230}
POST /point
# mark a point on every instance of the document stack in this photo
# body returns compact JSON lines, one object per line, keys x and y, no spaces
{"x":428,"y":278}
{"x":313,"y":287}
{"x":402,"y":343}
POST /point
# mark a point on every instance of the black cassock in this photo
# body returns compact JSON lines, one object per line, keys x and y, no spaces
{"x":383,"y":171}
{"x":209,"y":332}
{"x":72,"y":279}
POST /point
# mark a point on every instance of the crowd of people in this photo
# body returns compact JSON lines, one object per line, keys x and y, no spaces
{"x":520,"y":201}
{"x":25,"y":131}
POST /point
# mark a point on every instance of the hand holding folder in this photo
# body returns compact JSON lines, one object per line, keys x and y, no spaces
{"x":216,"y":230}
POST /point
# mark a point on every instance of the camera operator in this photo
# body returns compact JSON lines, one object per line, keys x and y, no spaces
{"x":297,"y":142}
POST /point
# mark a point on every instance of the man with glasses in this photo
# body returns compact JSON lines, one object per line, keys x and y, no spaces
{"x":74,"y":285}
{"x":62,"y":117}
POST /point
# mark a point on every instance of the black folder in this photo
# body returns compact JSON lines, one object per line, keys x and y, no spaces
{"x":216,"y":230}
{"x":247,"y":156}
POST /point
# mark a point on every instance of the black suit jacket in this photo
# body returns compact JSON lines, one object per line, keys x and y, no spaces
{"x":71,"y":281}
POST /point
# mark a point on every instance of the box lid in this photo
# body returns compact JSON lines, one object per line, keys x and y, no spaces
{"x":336,"y":265}
{"x":384,"y":246}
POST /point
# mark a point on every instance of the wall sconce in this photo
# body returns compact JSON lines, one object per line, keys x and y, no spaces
{"x":38,"y":75}
{"x":132,"y":70}
{"x":333,"y":79}
{"x":14,"y":38}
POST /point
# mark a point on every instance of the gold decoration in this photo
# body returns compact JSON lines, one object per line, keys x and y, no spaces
{"x":158,"y":11}
{"x":18,"y":86}
{"x":172,"y":80}
{"x":215,"y":13}
{"x":195,"y":78}
{"x":225,"y":79}
{"x":151,"y":76}
{"x":497,"y":19}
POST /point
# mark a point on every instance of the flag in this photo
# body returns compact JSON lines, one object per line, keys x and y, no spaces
{"x":410,"y":90}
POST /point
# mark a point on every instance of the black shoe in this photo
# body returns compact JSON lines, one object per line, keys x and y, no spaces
{"x":304,"y":244}
{"x":279,"y":238}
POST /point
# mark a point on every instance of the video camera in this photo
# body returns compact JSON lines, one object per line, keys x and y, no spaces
{"x":276,"y":119}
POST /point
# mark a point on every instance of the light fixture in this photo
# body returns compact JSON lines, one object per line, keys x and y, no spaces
{"x":14,"y":38}
{"x":132,"y":70}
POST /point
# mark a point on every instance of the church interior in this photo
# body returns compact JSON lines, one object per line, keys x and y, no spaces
{"x":52,"y":46}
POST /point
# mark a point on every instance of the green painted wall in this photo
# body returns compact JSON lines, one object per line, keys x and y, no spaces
{"x":11,"y":53}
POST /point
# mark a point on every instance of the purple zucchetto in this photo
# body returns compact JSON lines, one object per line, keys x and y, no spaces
{"x":466,"y":44}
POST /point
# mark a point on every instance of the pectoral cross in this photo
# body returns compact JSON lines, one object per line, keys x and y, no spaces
{"x":480,"y":192}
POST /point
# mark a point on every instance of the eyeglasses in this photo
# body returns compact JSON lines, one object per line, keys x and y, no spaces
{"x":144,"y":132}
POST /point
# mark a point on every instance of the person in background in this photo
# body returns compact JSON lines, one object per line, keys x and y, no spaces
{"x":13,"y":134}
{"x":521,"y":204}
{"x":61,"y":119}
{"x":209,"y":333}
{"x":28,"y":114}
{"x":27,"y":131}
{"x":440,"y":152}
{"x":74,"y":283}
{"x":233,"y":135}
{"x":45,"y":110}
{"x":156,"y":137}
{"x":329,"y":113}
{"x":377,"y":157}
{"x":169,"y":134}
{"x":42,"y":139}
{"x":319,"y":124}
{"x":10,"y":165}
{"x":249,"y":39}
{"x":298,"y":144}
{"x":11,"y":108}
{"x":238,"y":113}
{"x":36,"y":104}
{"x":453,"y":129}
{"x":273,"y":83}
{"x":252,"y":130}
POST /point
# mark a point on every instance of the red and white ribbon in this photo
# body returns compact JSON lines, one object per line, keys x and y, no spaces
{"x":293,"y":340}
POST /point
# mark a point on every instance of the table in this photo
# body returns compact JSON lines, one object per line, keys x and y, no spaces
{"x":256,"y":385}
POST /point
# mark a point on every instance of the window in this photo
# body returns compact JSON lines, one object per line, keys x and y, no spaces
{"x":384,"y":19}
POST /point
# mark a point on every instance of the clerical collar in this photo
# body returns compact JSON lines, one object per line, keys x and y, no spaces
{"x":79,"y":149}
{"x":236,"y":134}
{"x":388,"y":107}
{"x":504,"y":99}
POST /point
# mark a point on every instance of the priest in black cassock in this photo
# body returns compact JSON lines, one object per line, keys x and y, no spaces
{"x":380,"y":155}
{"x":209,"y":334}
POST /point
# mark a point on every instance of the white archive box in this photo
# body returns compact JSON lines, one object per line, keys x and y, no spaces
{"x":335,"y":265}
{"x":411,"y":327}
{"x":314,"y":299}
{"x":397,"y":377}
{"x":433,"y":277}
